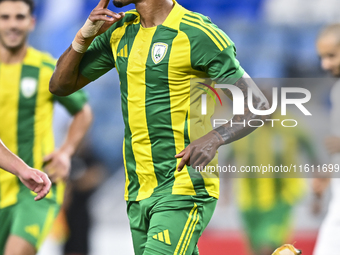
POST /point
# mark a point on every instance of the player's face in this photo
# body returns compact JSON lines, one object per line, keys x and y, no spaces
{"x":121,"y":3}
{"x":329,"y":51}
{"x":16,"y":23}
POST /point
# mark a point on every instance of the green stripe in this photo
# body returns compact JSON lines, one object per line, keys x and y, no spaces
{"x":50,"y":65}
{"x":205,"y":30}
{"x":26,"y":114}
{"x":121,"y":64}
{"x":211,"y":25}
{"x":158,"y":112}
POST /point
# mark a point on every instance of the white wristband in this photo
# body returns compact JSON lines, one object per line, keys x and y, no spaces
{"x":91,"y":28}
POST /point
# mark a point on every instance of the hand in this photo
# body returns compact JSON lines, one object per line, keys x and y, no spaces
{"x":332,"y":144}
{"x":101,"y":13}
{"x":97,"y":23}
{"x":36,"y":181}
{"x":201,"y":151}
{"x":319,"y":185}
{"x":57,"y":165}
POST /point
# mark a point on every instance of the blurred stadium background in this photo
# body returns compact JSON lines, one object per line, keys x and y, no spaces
{"x":274,"y":39}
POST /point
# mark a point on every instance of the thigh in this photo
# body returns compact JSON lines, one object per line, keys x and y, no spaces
{"x":33,"y":220}
{"x":176,"y":223}
{"x":6,"y":215}
{"x":138,"y":226}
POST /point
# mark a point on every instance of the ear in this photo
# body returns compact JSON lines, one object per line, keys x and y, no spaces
{"x":33,"y":22}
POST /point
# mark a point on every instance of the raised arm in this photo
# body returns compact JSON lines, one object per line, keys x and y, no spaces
{"x":66,"y":78}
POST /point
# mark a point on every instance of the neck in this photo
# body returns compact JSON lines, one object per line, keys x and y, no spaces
{"x":153,"y":12}
{"x":9,"y":56}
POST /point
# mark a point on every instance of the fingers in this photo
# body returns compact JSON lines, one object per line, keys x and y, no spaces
{"x":185,"y":161}
{"x":103,"y":4}
{"x":42,"y":184}
{"x":105,"y":15}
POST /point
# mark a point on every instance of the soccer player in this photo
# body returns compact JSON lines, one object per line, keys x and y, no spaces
{"x":266,"y":204}
{"x":156,"y":50}
{"x":328,"y":47}
{"x":26,"y":111}
{"x":33,"y":179}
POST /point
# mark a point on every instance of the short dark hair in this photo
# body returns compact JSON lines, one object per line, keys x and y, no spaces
{"x":30,"y":3}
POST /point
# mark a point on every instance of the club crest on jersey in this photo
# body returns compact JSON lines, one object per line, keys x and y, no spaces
{"x":159,"y":51}
{"x":28,"y":86}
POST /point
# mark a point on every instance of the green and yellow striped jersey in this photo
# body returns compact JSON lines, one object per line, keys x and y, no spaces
{"x":155,"y":67}
{"x":26,"y":112}
{"x":274,"y":146}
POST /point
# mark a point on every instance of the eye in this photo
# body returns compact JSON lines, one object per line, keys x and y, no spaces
{"x":21,"y":17}
{"x":4,"y":17}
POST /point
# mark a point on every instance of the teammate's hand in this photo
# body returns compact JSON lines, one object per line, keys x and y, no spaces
{"x":201,"y":151}
{"x":332,"y":144}
{"x":35,"y":180}
{"x":57,"y":165}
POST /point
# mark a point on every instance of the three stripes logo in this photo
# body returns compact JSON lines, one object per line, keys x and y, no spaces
{"x":207,"y":89}
{"x":163,"y":237}
{"x":123,"y":52}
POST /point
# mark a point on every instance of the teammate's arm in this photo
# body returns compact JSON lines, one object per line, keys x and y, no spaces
{"x":66,"y":78}
{"x":58,"y":162}
{"x":33,"y":179}
{"x":201,"y":151}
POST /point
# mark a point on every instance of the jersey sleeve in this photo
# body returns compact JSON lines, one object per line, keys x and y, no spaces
{"x":98,"y":58}
{"x":74,"y":102}
{"x":212,"y":51}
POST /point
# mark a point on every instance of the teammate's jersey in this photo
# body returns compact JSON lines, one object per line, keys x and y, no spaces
{"x":155,"y":66}
{"x":26,"y":112}
{"x":270,"y":146}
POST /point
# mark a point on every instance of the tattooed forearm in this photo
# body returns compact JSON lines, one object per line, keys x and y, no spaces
{"x":238,"y":127}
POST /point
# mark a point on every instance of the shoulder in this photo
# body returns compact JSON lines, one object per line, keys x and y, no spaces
{"x":200,"y":27}
{"x":39,"y":59}
{"x":130,"y":17}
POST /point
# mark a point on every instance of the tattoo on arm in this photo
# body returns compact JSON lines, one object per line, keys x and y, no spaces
{"x":238,"y":127}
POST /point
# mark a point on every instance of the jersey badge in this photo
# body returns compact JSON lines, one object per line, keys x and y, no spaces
{"x":28,"y":86}
{"x":159,"y":51}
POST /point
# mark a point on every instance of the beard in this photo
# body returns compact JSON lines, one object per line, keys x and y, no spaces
{"x":118,"y":3}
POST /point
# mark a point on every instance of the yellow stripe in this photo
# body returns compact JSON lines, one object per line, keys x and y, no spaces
{"x":186,"y":240}
{"x":160,"y":237}
{"x":60,"y":192}
{"x":167,"y":237}
{"x":179,"y":73}
{"x":47,"y":225}
{"x":185,"y":229}
{"x":126,"y":51}
{"x":141,"y":145}
{"x":206,"y":32}
{"x":212,"y":28}
{"x":127,"y":182}
{"x":9,"y":98}
{"x":212,"y":31}
{"x":192,"y":231}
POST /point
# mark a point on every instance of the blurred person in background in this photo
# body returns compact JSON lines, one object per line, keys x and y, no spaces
{"x":151,"y":47}
{"x":87,"y":174}
{"x":328,"y":47}
{"x":266,"y":201}
{"x":33,"y":179}
{"x":26,"y":110}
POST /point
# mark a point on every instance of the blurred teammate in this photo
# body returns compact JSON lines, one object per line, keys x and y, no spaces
{"x":26,"y":112}
{"x":266,"y":202}
{"x":33,"y":179}
{"x":156,"y":50}
{"x":328,"y":47}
